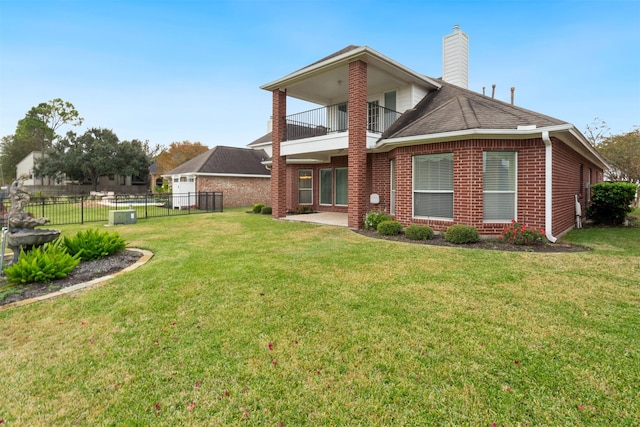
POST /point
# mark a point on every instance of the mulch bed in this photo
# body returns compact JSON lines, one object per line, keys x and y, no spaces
{"x":84,"y":272}
{"x":488,"y":244}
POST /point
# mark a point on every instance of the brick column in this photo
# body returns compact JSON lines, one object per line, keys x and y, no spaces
{"x":358,"y":196}
{"x":278,"y":163}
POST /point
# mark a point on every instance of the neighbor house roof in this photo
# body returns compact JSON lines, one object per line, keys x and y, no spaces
{"x":223,"y":160}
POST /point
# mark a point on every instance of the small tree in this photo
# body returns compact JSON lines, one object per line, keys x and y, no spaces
{"x":177,"y":154}
{"x":611,"y":202}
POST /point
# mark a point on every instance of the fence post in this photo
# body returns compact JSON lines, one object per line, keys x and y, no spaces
{"x":81,"y":209}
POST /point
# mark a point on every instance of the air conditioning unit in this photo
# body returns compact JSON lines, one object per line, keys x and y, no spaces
{"x":123,"y":216}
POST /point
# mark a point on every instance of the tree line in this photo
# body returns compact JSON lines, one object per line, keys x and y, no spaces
{"x":86,"y":157}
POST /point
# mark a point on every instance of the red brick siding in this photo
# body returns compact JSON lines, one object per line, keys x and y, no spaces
{"x":567,"y":182}
{"x":279,"y":163}
{"x":468,"y":184}
{"x":358,"y":195}
{"x":237,"y":191}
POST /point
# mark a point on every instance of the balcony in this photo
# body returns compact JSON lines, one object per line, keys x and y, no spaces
{"x":334,"y":119}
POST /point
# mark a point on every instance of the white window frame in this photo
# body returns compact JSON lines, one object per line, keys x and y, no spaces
{"x":310,"y":189}
{"x":514,"y":192}
{"x":414,"y":191}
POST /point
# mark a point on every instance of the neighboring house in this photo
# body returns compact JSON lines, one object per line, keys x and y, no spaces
{"x":453,"y":156}
{"x":236,"y":172}
{"x":113,"y":183}
{"x":26,"y":168}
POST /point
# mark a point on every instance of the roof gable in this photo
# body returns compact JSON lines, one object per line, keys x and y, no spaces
{"x":227,"y":161}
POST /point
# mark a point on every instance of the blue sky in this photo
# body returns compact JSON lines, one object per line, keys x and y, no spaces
{"x":168,"y":71}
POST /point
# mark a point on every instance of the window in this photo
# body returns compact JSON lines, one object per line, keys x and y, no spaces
{"x":305,"y":186}
{"x":326,"y":186}
{"x":499,"y":182}
{"x":433,"y":186}
{"x":373,"y":116}
{"x":342,"y":186}
{"x":392,"y":179}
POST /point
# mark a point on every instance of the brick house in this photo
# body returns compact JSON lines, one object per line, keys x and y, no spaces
{"x":453,"y":155}
{"x":236,"y":172}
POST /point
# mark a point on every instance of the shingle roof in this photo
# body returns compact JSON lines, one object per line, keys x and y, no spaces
{"x":452,"y":108}
{"x":226,"y":160}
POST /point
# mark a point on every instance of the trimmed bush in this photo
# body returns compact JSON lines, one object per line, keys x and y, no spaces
{"x":93,"y":244}
{"x":389,"y":228}
{"x":42,"y":264}
{"x":266,"y":210}
{"x":419,"y":232}
{"x":257,"y":208}
{"x":611,"y":202}
{"x":460,"y":234}
{"x":373,"y":218}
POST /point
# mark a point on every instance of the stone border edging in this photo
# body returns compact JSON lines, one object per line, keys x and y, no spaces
{"x":146,"y":256}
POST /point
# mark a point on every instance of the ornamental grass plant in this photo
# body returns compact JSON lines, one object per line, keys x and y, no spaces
{"x":318,"y":325}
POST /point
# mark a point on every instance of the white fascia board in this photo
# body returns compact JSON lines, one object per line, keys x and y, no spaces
{"x":364,"y":52}
{"x":235,"y":175}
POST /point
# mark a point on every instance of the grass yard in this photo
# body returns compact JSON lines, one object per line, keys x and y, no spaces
{"x":242,"y":320}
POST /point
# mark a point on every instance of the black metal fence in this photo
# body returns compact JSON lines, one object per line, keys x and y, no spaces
{"x":81,"y":209}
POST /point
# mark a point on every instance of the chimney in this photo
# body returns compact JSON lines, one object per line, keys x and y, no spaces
{"x":455,"y":58}
{"x":513,"y":89}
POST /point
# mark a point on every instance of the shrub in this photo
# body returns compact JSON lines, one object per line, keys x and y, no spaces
{"x":42,"y":264}
{"x":373,"y":218}
{"x":611,"y":202}
{"x":266,"y":210}
{"x":520,"y":234}
{"x":419,"y":232}
{"x":257,"y":208}
{"x":303,"y":209}
{"x":460,"y":233}
{"x":389,"y":228}
{"x":93,"y":244}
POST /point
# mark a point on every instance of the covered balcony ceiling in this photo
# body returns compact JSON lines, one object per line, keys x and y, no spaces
{"x":333,"y":86}
{"x":327,"y":81}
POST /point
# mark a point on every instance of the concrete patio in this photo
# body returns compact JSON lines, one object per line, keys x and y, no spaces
{"x":326,"y":218}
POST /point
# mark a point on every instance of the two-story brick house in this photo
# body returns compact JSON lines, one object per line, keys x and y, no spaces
{"x":452,"y":155}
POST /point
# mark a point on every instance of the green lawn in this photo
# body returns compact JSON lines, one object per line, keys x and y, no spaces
{"x":242,"y":320}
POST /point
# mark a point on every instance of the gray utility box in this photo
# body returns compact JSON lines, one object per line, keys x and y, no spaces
{"x":123,"y":216}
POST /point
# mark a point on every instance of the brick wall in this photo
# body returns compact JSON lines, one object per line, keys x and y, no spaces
{"x":467,"y":181}
{"x":278,"y":163}
{"x":568,"y":179}
{"x":237,"y":191}
{"x":570,"y":174}
{"x":358,"y":194}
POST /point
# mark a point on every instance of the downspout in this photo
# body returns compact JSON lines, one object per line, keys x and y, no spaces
{"x":548,"y":186}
